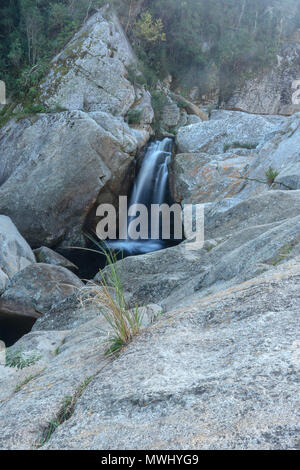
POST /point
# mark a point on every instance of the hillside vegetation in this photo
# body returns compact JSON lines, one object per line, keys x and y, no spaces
{"x":211,"y":44}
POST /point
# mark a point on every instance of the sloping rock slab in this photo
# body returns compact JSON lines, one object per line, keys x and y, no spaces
{"x":67,"y":365}
{"x":221,"y":373}
{"x":271,"y":92}
{"x":68,"y":314}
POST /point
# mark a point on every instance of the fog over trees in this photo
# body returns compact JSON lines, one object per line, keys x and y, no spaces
{"x":195,"y":41}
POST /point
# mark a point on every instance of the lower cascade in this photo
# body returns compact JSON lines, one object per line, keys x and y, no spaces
{"x":151,"y":186}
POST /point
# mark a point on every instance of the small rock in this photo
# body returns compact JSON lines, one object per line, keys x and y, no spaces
{"x":15,"y":253}
{"x":47,"y":256}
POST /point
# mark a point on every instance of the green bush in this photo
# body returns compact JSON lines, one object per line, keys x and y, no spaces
{"x":20,"y":360}
{"x":134,"y":116}
{"x":271,"y":175}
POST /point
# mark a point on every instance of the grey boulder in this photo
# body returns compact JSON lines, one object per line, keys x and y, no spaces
{"x":51,"y":179}
{"x":15,"y":253}
{"x":90,"y":74}
{"x":40,"y":286}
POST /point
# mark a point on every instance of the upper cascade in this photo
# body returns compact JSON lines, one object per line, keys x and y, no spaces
{"x":151,"y":186}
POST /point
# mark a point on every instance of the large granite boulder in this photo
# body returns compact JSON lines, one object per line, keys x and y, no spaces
{"x":209,"y":175}
{"x":56,"y":166}
{"x":4,"y":280}
{"x":202,"y":178}
{"x":34,"y":349}
{"x":90,"y":74}
{"x":15,"y":253}
{"x":226,"y":130}
{"x":282,"y":154}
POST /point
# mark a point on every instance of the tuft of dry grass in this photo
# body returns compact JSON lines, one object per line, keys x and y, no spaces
{"x":108,"y":297}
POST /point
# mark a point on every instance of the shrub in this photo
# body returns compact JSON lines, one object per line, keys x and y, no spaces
{"x":134,"y":116}
{"x":271,"y":175}
{"x":159,"y":100}
{"x":19,"y":360}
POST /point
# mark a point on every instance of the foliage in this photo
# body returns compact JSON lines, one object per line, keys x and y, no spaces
{"x":65,"y":412}
{"x":208,"y":43}
{"x":271,"y":175}
{"x":150,"y":30}
{"x":134,"y":116}
{"x":109,"y":298}
{"x":20,"y":360}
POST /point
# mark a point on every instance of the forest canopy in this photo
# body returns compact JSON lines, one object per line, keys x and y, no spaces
{"x":198,"y":42}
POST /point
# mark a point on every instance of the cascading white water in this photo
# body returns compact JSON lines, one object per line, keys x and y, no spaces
{"x":150,"y":187}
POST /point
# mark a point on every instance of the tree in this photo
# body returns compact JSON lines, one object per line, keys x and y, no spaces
{"x":150,"y":30}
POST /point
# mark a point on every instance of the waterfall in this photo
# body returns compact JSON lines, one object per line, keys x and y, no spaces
{"x":150,"y":187}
